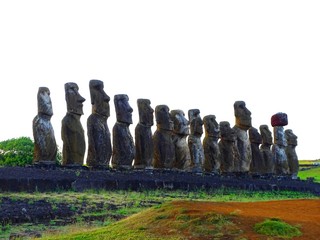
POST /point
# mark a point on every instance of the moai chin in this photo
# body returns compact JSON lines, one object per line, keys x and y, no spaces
{"x":279,"y":120}
{"x":99,"y":137}
{"x":212,"y":156}
{"x":143,"y":135}
{"x":163,"y":146}
{"x":291,"y":153}
{"x":242,"y":124}
{"x":265,"y":149}
{"x":45,"y":147}
{"x":72,"y":132}
{"x":123,"y":151}
{"x":255,"y":138}
{"x":194,"y":140}
{"x":228,"y":148}
{"x":180,"y":132}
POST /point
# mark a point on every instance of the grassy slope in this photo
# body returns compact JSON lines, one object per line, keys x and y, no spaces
{"x":313,"y":172}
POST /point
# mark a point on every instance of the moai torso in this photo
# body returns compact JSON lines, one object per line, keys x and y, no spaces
{"x":179,"y":137}
{"x":243,"y":123}
{"x":265,"y":149}
{"x":194,"y":140}
{"x":99,"y":137}
{"x":228,"y":148}
{"x":123,"y":151}
{"x":72,"y":132}
{"x":45,"y":147}
{"x":163,"y":146}
{"x":143,"y":135}
{"x":256,"y":162}
{"x":212,"y":156}
{"x":291,"y":152}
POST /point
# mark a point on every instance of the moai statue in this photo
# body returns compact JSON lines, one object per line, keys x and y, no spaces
{"x":257,"y":162}
{"x":243,"y":123}
{"x":179,"y":137}
{"x":212,"y":156}
{"x":279,"y":146}
{"x":194,"y":140}
{"x":163,"y":146}
{"x":143,"y":135}
{"x":123,"y":151}
{"x":72,"y":133}
{"x":228,"y":148}
{"x":291,"y":153}
{"x":45,"y":147}
{"x":266,"y":153}
{"x":99,"y":139}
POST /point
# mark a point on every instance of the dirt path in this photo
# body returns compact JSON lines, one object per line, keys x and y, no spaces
{"x":305,"y":213}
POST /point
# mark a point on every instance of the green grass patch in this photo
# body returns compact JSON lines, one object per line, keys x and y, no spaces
{"x":277,"y":228}
{"x":313,"y":172}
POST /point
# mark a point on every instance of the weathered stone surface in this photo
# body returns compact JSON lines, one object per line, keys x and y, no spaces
{"x":212,"y":156}
{"x":279,"y":119}
{"x":265,"y":148}
{"x":180,"y":132}
{"x":45,"y":147}
{"x":143,"y":135}
{"x":228,"y":148}
{"x":279,"y":151}
{"x":123,"y":151}
{"x":164,"y":149}
{"x":243,"y":123}
{"x":291,"y":152}
{"x":72,"y":132}
{"x":99,"y":137}
{"x":257,"y":162}
{"x":194,"y":140}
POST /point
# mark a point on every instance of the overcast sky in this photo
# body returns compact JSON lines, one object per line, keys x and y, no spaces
{"x":185,"y":54}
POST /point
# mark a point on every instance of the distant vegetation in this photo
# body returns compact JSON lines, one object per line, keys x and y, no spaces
{"x":16,"y":152}
{"x":313,"y":172}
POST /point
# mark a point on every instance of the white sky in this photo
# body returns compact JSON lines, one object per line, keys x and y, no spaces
{"x":186,"y":54}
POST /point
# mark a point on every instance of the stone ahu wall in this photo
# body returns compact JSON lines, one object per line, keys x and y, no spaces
{"x":190,"y":144}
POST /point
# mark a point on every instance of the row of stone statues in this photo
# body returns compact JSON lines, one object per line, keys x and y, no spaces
{"x":175,"y":144}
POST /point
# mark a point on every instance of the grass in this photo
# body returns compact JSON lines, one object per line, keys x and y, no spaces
{"x":277,"y":228}
{"x":313,"y":172}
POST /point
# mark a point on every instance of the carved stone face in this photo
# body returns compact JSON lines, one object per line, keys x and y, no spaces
{"x":211,"y":126}
{"x":266,"y":135}
{"x":123,"y":108}
{"x":163,"y":117}
{"x":145,"y":112}
{"x":291,"y":137}
{"x":181,"y":124}
{"x":73,"y":98}
{"x":242,"y":114}
{"x":279,"y":136}
{"x":227,"y":133}
{"x":44,"y":101}
{"x":99,"y":99}
{"x":254,"y":135}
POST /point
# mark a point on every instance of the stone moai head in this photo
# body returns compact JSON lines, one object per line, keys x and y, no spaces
{"x":163,"y":118}
{"x":123,"y":108}
{"x":211,"y":126}
{"x":242,"y":114}
{"x":73,"y":98}
{"x":266,"y":135}
{"x":291,"y":137}
{"x":180,"y":123}
{"x":254,"y":136}
{"x":99,"y":99}
{"x":44,"y":101}
{"x":226,"y":132}
{"x":196,"y":122}
{"x":145,"y":112}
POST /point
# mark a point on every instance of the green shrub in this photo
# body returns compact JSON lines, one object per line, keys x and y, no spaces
{"x":277,"y":228}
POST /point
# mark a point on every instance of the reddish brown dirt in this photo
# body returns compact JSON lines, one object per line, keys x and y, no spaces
{"x":305,"y":213}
